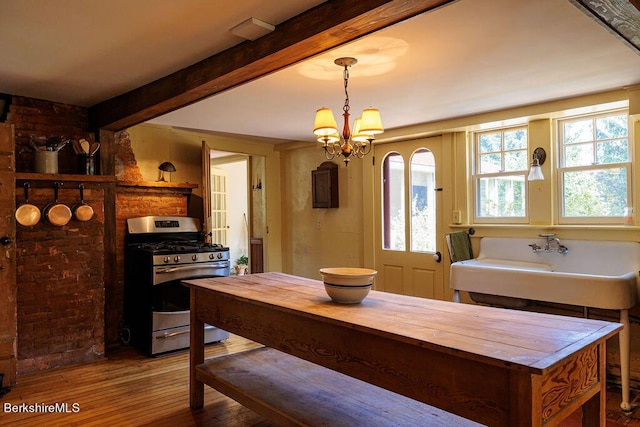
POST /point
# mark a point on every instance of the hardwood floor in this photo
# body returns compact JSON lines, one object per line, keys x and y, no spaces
{"x":129,"y":389}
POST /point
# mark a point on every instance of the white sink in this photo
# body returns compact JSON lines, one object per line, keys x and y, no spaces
{"x":591,"y":274}
{"x":540,"y":282}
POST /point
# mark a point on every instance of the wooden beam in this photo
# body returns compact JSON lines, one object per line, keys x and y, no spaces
{"x":321,"y":28}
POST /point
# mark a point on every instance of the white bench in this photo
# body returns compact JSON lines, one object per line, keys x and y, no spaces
{"x":293,"y":392}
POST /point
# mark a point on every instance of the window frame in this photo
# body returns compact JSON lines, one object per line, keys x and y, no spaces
{"x":477,"y":176}
{"x":561,"y":169}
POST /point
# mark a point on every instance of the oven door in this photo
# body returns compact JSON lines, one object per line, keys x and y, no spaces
{"x":170,"y":305}
{"x":168,"y":273}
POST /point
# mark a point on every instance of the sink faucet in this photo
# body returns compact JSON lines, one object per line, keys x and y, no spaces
{"x":549,"y":239}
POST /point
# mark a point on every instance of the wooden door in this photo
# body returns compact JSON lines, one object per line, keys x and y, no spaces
{"x":8,"y":310}
{"x":214,"y":196}
{"x":219,"y":206}
{"x":408,"y":218}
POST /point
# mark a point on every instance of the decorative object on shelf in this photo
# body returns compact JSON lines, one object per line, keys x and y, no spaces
{"x":166,"y":167}
{"x":46,"y":152}
{"x":242,"y":263}
{"x":364,"y":128}
{"x":539,"y":156}
{"x":86,"y":156}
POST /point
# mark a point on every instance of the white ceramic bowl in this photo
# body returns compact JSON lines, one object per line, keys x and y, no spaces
{"x":347,"y":294}
{"x":347,"y":285}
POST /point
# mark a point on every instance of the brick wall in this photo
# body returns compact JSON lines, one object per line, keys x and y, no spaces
{"x":66,"y":311}
{"x":59,"y":269}
{"x":60,"y":284}
{"x":43,"y":118}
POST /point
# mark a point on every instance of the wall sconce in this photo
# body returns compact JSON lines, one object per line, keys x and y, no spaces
{"x":166,"y":167}
{"x":539,"y":156}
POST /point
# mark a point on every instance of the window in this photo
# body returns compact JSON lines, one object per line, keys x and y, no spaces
{"x":501,"y":166}
{"x":423,"y":202}
{"x":595,"y":168}
{"x":393,"y":223}
{"x":421,"y":205}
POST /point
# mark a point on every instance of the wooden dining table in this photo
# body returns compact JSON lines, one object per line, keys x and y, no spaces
{"x":495,"y":366}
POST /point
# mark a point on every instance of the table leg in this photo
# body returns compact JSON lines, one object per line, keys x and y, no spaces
{"x":196,"y":355}
{"x":594,"y":410}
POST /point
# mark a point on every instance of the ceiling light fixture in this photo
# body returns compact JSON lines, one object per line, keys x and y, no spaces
{"x":364,"y":128}
{"x":539,"y":156}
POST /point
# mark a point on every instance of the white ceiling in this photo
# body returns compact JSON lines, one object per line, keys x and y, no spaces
{"x":467,"y":57}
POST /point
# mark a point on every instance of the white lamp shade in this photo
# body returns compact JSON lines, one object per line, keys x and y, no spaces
{"x":325,"y":123}
{"x":535,"y":173}
{"x":357,"y":135}
{"x":329,"y":139}
{"x":371,"y":122}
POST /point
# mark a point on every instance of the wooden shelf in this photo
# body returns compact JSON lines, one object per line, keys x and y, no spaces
{"x":157,"y":184}
{"x":25,"y":176}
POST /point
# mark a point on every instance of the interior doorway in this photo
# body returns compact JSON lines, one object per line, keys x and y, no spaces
{"x":234,"y":205}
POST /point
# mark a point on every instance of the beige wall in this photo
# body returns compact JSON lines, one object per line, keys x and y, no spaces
{"x":316,"y":238}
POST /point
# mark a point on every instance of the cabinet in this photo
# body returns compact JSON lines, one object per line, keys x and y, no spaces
{"x":324,"y":186}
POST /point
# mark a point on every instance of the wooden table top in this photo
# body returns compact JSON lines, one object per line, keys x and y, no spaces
{"x":521,"y":340}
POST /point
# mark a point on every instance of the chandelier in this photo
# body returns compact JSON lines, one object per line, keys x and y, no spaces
{"x":364,"y":128}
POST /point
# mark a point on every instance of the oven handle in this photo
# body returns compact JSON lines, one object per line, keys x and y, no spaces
{"x":173,"y":334}
{"x":223,"y":264}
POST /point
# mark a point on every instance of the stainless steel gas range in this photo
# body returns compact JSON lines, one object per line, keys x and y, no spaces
{"x":160,"y":252}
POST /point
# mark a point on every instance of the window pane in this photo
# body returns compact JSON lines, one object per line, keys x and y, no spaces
{"x":423,"y":203}
{"x":393,"y":202}
{"x":515,"y":139}
{"x":502,"y":196}
{"x":578,"y":155}
{"x":598,"y":193}
{"x":489,"y":142}
{"x":578,"y":131}
{"x":616,"y":151}
{"x":611,"y":127}
{"x":515,"y":161}
{"x":490,"y":163}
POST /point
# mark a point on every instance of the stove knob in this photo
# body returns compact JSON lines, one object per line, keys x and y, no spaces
{"x":194,"y":257}
{"x":211,"y":256}
{"x":177,"y":258}
{"x":219,"y":255}
{"x":166,"y":259}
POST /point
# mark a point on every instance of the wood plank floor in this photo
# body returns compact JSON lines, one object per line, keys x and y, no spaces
{"x":129,"y":389}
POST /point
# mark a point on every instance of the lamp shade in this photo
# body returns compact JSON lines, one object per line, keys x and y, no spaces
{"x":535,"y":173}
{"x":358,"y":136}
{"x":167,"y":167}
{"x":330,"y":139}
{"x":371,"y":122}
{"x":325,"y":123}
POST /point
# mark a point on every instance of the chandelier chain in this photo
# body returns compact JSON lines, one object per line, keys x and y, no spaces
{"x":345,"y":76}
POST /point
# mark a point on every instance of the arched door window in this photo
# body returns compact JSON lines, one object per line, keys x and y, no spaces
{"x":423,"y":201}
{"x":393,"y":203}
{"x":419,"y":202}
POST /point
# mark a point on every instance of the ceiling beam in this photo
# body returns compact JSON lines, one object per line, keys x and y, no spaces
{"x":321,"y":28}
{"x":622,"y":19}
